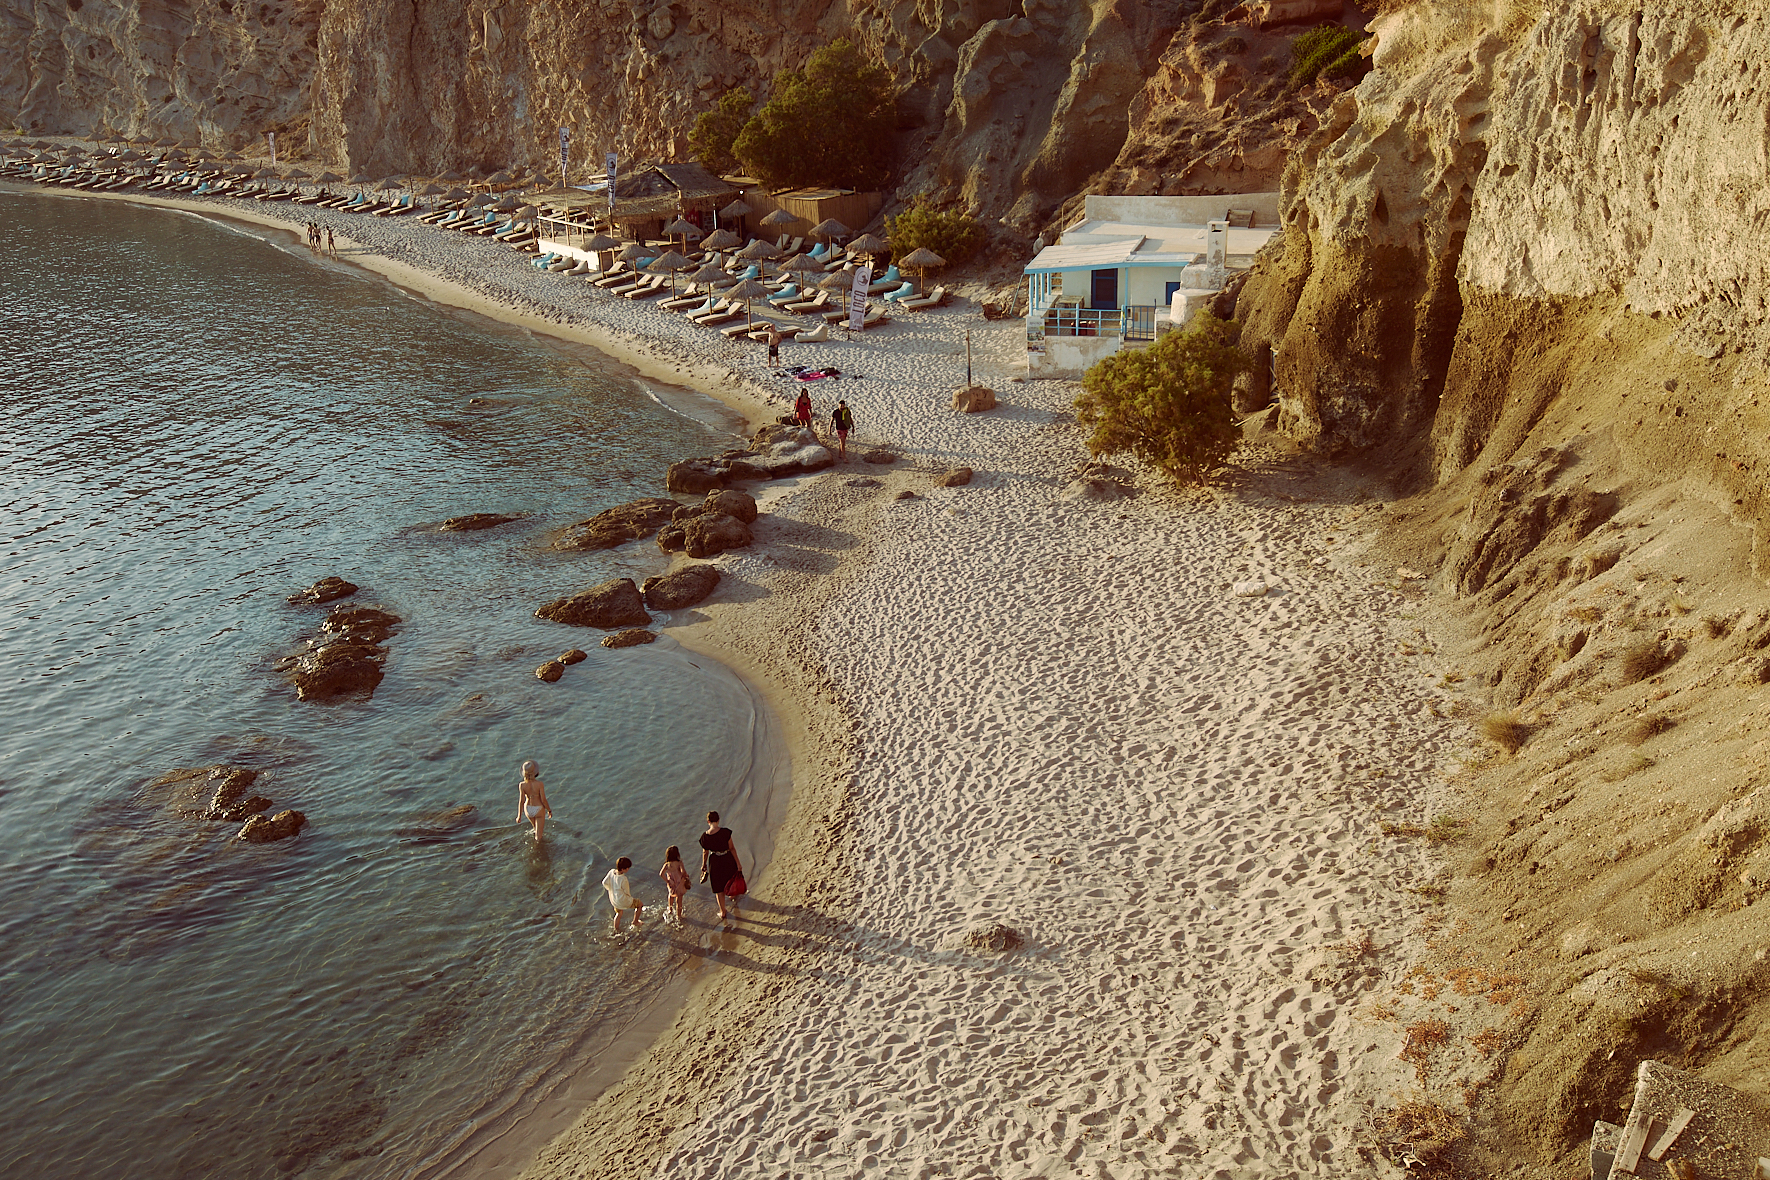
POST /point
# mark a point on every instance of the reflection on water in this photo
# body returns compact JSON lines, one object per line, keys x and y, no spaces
{"x":197,"y":424}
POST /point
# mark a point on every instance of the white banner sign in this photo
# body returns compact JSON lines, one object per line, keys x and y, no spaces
{"x":273,"y":148}
{"x":609,"y":161}
{"x":857,"y":298}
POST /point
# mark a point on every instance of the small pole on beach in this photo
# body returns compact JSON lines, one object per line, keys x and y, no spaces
{"x":967,"y":358}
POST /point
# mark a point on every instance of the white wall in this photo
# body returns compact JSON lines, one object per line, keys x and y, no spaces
{"x":1066,"y":358}
{"x":1180,"y":210}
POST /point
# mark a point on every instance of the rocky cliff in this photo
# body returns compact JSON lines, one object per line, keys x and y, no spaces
{"x":1524,"y":270}
{"x":1010,"y":106}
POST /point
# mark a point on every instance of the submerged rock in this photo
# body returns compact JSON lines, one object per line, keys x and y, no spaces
{"x":617,"y":525}
{"x":438,"y":826}
{"x":612,"y":604}
{"x":230,"y":786}
{"x":631,"y":637}
{"x":474,"y":521}
{"x":360,"y":624}
{"x":574,"y":656}
{"x":680,"y":588}
{"x":551,"y":671}
{"x":280,"y":826}
{"x":328,"y":589}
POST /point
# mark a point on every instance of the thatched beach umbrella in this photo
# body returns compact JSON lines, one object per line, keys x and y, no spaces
{"x":390,"y":185}
{"x":759,"y":251}
{"x":921,"y":260}
{"x":456,"y":194}
{"x":709,"y":273}
{"x":500,"y":178}
{"x":829,"y":229}
{"x":452,"y":177}
{"x":327,"y":178}
{"x":505,"y":204}
{"x":362,"y":178}
{"x":802,"y":265}
{"x":600,"y":242}
{"x":780,"y":217}
{"x":634,"y":251}
{"x":432,"y":190}
{"x":722,"y":239}
{"x":870,"y":246}
{"x":684,"y":229}
{"x":232,"y":156}
{"x":296,"y":174}
{"x":736,"y":209}
{"x":166,"y":142}
{"x":669,"y":262}
{"x":747,"y":290}
{"x":838,"y":280}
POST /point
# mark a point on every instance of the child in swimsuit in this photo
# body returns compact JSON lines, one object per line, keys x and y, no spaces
{"x":676,"y":881}
{"x":531,"y":799}
{"x":620,"y":893}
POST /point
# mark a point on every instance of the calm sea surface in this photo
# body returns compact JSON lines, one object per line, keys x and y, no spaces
{"x":196,"y":423}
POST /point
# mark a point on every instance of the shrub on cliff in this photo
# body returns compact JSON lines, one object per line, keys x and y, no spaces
{"x":952,"y":235}
{"x":1168,"y":404}
{"x":1328,"y":51}
{"x":716,"y":130}
{"x":828,"y":124}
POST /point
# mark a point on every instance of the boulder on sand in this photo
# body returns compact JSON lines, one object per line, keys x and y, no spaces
{"x":680,"y":588}
{"x":958,"y":477}
{"x":707,"y":534}
{"x":614,"y":526}
{"x":325,"y":590}
{"x":280,"y":826}
{"x":974,"y":399}
{"x":611,"y":605}
{"x":632,"y":637}
{"x":732,"y":503}
{"x":474,"y":521}
{"x":694,"y":476}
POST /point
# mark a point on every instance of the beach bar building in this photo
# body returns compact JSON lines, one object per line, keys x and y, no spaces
{"x":647,"y":197}
{"x":1133,"y":267}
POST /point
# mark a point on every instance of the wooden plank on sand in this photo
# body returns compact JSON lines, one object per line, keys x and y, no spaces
{"x":1664,"y":1143}
{"x":1628,"y":1154}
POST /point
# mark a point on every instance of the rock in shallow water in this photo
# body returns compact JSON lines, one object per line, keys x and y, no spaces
{"x":680,"y":588}
{"x":614,"y":526}
{"x":474,"y":521}
{"x":694,"y":476}
{"x":551,"y":671}
{"x":337,"y":669}
{"x":325,"y":590}
{"x":707,"y":536}
{"x":573,"y":656}
{"x":629,"y":638}
{"x":280,"y":826}
{"x":615,"y":603}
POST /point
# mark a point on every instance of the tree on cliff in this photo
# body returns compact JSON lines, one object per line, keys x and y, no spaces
{"x":1168,"y":404}
{"x":828,"y":124}
{"x":716,"y":130}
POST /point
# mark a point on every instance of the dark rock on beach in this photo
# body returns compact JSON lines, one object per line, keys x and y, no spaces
{"x":680,"y":588}
{"x":906,"y":494}
{"x":280,"y":826}
{"x":613,"y":604}
{"x":744,"y":469}
{"x":617,"y":525}
{"x":474,"y":521}
{"x":741,"y":505}
{"x":694,"y":476}
{"x":325,"y":590}
{"x":551,"y":671}
{"x":958,"y":477}
{"x":629,"y":638}
{"x":574,"y":656}
{"x":706,"y":535}
{"x":880,"y":457}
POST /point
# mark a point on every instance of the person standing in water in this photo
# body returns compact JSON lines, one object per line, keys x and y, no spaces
{"x":843,"y":420}
{"x":675,"y":877}
{"x":331,"y":246}
{"x":620,"y":893}
{"x":719,"y":860}
{"x":531,"y":799}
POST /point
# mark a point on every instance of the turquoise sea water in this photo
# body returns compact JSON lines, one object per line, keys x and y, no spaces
{"x":196,"y":423}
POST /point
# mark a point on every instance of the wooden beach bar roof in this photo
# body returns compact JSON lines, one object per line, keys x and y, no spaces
{"x":651,"y":191}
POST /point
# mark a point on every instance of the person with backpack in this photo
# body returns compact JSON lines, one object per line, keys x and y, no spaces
{"x":842,"y":418}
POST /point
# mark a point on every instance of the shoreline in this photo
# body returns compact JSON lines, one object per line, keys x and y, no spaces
{"x":783,"y":738}
{"x":1033,"y":704}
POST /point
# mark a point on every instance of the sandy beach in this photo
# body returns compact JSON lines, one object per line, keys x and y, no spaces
{"x":1023,"y":703}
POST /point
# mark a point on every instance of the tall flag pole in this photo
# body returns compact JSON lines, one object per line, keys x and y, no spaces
{"x":565,"y":144}
{"x":610,"y":161}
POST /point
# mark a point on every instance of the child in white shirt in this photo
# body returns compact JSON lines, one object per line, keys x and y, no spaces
{"x":620,"y":893}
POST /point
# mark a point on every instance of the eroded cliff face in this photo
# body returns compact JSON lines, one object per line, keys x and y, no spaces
{"x":1525,"y":266}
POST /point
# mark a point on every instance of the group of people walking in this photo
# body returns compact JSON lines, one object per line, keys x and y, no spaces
{"x":320,"y":238}
{"x":720,"y":867}
{"x":842,"y":418}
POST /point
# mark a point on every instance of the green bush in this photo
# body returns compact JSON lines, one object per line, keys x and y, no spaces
{"x":1328,"y":51}
{"x":1168,"y":404}
{"x":830,"y":124}
{"x":716,"y":130}
{"x":952,"y":235}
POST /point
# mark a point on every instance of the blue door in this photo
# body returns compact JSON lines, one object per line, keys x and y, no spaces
{"x":1168,"y":296}
{"x":1104,"y":292}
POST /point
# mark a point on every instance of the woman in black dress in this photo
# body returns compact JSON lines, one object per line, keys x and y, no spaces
{"x":719,"y":859}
